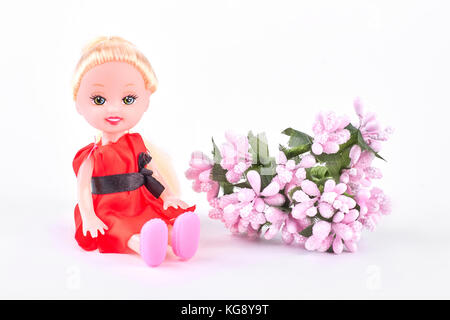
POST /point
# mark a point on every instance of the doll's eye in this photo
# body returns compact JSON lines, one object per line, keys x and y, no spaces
{"x":129,"y":99}
{"x":98,"y":100}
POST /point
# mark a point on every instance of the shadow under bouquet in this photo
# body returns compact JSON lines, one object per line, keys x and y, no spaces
{"x":317,"y":192}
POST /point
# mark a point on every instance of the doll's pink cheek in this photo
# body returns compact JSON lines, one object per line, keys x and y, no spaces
{"x":93,"y":116}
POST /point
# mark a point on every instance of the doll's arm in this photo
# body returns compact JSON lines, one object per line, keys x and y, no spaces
{"x":91,"y":223}
{"x":168,"y":196}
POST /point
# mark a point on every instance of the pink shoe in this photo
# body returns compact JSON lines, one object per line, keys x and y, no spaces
{"x":185,"y":235}
{"x":153,"y":242}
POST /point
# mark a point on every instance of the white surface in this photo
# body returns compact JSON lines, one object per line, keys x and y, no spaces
{"x":262,"y":66}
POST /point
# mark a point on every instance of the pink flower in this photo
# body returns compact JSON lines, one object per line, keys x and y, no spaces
{"x":218,"y":205}
{"x":240,"y":218}
{"x":269,"y":195}
{"x":329,"y":132}
{"x":246,"y":209}
{"x":298,"y":201}
{"x":305,"y":199}
{"x":285,"y":170}
{"x":328,"y":235}
{"x":228,"y":209}
{"x":361,"y":171}
{"x":235,"y":156}
{"x":200,"y":172}
{"x":276,"y":217}
{"x":334,"y":204}
{"x":289,"y":174}
{"x":291,"y":228}
{"x":248,"y":224}
{"x":373,"y":204}
{"x":307,"y":161}
{"x":370,"y":127}
{"x":344,"y":228}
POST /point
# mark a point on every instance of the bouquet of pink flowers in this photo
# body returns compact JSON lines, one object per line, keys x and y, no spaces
{"x":317,"y":192}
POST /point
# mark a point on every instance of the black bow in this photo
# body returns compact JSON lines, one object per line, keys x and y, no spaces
{"x":154,"y":186}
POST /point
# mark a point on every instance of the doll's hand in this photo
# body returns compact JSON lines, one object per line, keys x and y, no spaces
{"x":92,"y":225}
{"x":174,"y":202}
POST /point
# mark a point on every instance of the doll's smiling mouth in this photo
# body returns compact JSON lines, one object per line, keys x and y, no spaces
{"x":113,"y":120}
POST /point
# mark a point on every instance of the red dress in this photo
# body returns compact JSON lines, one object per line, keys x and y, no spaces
{"x":123,"y":212}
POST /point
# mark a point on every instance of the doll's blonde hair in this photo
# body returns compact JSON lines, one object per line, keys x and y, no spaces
{"x":107,"y":49}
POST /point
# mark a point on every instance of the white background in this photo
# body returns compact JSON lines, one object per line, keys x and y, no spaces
{"x":241,"y":65}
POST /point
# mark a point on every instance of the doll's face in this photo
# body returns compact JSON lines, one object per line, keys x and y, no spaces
{"x":112,"y":97}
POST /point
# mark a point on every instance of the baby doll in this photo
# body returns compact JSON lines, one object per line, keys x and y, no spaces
{"x":127,"y":194}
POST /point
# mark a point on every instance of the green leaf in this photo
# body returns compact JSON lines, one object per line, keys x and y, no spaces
{"x":217,"y":157}
{"x":353,"y":137}
{"x":307,"y":232}
{"x":227,"y":187}
{"x":253,"y":142}
{"x":379,"y":157}
{"x":262,"y":162}
{"x":244,"y":184}
{"x":218,"y":173}
{"x":297,"y":138}
{"x":296,"y":151}
{"x":266,"y":177}
{"x":299,"y":143}
{"x":357,"y":138}
{"x":259,"y":148}
{"x":263,"y":149}
{"x":319,"y":175}
{"x":351,"y":128}
{"x":335,"y":162}
{"x":365,"y":146}
{"x":318,"y":172}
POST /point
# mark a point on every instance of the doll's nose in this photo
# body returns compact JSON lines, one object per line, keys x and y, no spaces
{"x":113,"y":107}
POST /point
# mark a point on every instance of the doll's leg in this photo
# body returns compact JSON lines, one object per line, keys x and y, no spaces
{"x":185,"y":235}
{"x":152,"y":242}
{"x":134,"y":243}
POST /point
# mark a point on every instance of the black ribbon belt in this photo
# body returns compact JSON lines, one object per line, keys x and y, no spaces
{"x":129,"y":181}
